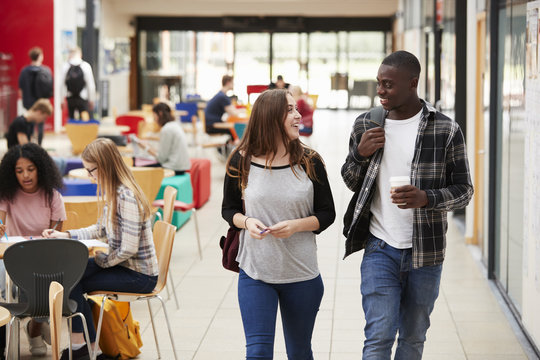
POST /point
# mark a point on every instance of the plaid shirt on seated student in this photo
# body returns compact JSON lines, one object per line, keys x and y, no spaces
{"x":130,"y":243}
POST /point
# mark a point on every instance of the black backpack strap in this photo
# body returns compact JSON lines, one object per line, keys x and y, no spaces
{"x":377,"y":115}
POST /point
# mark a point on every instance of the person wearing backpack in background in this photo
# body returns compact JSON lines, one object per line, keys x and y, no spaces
{"x":79,"y":86}
{"x":35,"y":82}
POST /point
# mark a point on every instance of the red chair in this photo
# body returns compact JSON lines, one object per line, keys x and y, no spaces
{"x":129,"y":120}
{"x":255,"y":89}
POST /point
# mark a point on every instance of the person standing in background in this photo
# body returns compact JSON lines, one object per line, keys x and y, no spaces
{"x":279,"y":84}
{"x":35,"y":82}
{"x":79,"y":86}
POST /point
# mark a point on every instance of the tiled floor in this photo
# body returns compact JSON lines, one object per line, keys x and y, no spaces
{"x":467,"y":322}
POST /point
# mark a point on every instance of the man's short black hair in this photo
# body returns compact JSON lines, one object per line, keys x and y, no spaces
{"x":403,"y":60}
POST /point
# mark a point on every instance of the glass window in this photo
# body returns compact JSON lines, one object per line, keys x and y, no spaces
{"x":251,"y":62}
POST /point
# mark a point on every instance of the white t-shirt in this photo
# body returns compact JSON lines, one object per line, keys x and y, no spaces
{"x":390,"y":223}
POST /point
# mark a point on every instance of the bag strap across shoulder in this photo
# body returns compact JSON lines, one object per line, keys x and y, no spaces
{"x":377,"y":115}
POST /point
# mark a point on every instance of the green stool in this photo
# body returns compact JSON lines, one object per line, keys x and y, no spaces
{"x":182,"y":183}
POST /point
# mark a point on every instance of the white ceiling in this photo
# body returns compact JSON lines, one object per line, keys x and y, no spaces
{"x":318,"y":8}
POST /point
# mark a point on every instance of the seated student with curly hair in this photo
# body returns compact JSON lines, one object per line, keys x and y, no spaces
{"x":30,"y":203}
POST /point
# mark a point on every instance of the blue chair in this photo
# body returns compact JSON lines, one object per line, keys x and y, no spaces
{"x":191,"y":109}
{"x":78,"y":187}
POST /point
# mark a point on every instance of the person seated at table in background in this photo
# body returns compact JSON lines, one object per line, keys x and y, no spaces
{"x":131,"y":263}
{"x":29,"y":203}
{"x":279,"y":84}
{"x":218,"y":106}
{"x":303,"y":102}
{"x":172,"y":152}
{"x":21,"y":129}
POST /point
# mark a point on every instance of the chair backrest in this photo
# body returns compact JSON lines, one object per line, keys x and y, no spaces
{"x":163,"y":235}
{"x":34,"y":264}
{"x":129,"y":120}
{"x":169,"y":196}
{"x":56,"y":294}
{"x":149,"y":179}
{"x":239,"y":128}
{"x":190,"y":108}
{"x":72,"y":221}
{"x":81,"y":135}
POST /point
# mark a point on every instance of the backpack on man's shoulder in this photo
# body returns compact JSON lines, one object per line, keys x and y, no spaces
{"x":43,"y":83}
{"x":75,"y":80}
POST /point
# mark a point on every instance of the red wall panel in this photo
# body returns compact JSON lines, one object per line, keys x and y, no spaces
{"x":24,"y":24}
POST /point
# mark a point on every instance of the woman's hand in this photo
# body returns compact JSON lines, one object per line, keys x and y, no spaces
{"x":283,"y":229}
{"x":256,"y":228}
{"x":50,"y":233}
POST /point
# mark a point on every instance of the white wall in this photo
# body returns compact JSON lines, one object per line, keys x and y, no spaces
{"x":115,"y":26}
{"x":64,"y":22}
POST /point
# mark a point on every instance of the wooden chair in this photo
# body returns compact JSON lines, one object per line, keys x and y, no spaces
{"x":163,"y":240}
{"x":81,"y":135}
{"x":169,"y":196}
{"x":56,"y":294}
{"x":149,"y":179}
{"x":170,"y":204}
{"x":212,"y":140}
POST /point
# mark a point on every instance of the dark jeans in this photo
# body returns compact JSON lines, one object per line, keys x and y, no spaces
{"x":77,"y":103}
{"x":116,"y":278}
{"x":298,"y":303}
{"x":396,"y":298}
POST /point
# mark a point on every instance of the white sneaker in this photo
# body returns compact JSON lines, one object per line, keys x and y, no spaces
{"x":46,"y":332}
{"x":37,"y":345}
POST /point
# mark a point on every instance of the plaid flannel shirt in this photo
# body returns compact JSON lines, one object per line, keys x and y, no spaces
{"x":439,"y":167}
{"x":131,"y":243}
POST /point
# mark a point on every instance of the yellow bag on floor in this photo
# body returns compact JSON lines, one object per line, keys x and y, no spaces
{"x":120,"y":335}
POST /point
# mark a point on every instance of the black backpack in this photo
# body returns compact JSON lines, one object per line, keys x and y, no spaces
{"x":43,"y":83}
{"x":75,"y":80}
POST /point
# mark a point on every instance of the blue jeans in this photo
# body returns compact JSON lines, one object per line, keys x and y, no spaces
{"x":116,"y":278}
{"x":396,"y":298}
{"x":298,"y":302}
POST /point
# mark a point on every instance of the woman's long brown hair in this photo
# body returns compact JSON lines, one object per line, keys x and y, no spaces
{"x":113,"y":172}
{"x":264,"y":131}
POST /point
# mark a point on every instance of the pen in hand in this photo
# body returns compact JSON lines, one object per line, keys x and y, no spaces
{"x":55,"y":225}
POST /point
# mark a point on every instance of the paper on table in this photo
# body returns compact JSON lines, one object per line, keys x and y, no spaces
{"x":14,"y":239}
{"x":94,"y":243}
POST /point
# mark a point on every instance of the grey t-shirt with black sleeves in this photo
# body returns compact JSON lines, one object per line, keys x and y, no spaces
{"x":275,"y":195}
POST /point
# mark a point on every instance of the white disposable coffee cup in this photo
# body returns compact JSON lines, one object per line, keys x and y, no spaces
{"x":397,"y":181}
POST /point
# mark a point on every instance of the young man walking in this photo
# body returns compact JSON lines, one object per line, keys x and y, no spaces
{"x":35,"y":82}
{"x":402,"y":229}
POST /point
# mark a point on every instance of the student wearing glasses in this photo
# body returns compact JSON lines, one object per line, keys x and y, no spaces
{"x":131,"y":263}
{"x":29,"y":203}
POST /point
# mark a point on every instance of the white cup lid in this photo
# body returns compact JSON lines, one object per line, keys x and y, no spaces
{"x":400,"y":179}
